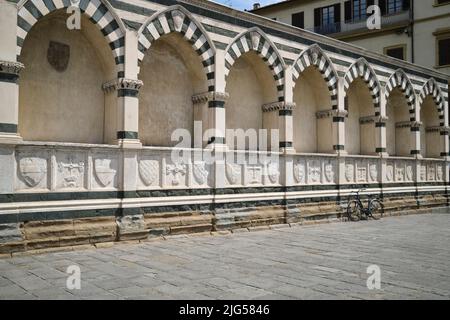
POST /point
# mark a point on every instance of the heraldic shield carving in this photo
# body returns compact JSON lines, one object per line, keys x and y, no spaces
{"x":32,"y":170}
{"x":58,"y":55}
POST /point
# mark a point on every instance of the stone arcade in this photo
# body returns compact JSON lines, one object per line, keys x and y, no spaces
{"x":86,"y":118}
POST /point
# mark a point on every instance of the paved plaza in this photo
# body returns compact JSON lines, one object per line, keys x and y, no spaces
{"x":300,"y":262}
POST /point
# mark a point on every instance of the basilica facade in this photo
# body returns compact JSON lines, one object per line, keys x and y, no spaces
{"x":88,"y":115}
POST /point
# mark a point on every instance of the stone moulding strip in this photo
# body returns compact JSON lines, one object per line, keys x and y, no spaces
{"x":291,"y":198}
{"x":157,"y":193}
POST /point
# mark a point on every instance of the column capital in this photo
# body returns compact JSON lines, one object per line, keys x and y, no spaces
{"x":332,"y":113}
{"x":10,"y":70}
{"x":122,"y":84}
{"x":278,"y":106}
{"x":210,"y":96}
{"x":373,"y":119}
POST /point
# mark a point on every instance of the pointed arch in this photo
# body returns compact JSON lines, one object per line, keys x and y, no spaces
{"x":99,"y":12}
{"x":431,"y":88}
{"x":177,"y":19}
{"x":399,"y":79}
{"x":361,"y":69}
{"x":256,"y":40}
{"x":315,"y":56}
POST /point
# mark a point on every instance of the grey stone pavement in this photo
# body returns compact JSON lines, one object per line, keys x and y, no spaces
{"x":303,"y":262}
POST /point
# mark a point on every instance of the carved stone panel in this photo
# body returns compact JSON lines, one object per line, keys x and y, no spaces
{"x":349,"y":171}
{"x":200,"y":173}
{"x":390,"y":172}
{"x":71,"y":168}
{"x":233,"y":173}
{"x":273,"y":172}
{"x":105,"y":171}
{"x":253,"y":174}
{"x":300,"y":172}
{"x":176,"y":175}
{"x":431,"y":172}
{"x":314,"y":172}
{"x":409,"y":176}
{"x":373,"y":171}
{"x":399,"y":172}
{"x":149,"y":172}
{"x":361,"y":172}
{"x":423,"y":173}
{"x":32,"y":168}
{"x":329,"y":171}
{"x":439,"y":172}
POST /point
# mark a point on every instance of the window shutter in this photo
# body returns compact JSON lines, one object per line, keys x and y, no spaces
{"x":337,"y":12}
{"x":406,"y":5}
{"x":382,"y":4}
{"x":317,"y":17}
{"x":348,"y":10}
{"x":298,"y":20}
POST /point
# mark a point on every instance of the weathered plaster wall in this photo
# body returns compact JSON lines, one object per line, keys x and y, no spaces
{"x":250,"y":85}
{"x":359,"y":138}
{"x":63,"y":106}
{"x":429,"y":116}
{"x":398,"y":139}
{"x":172,"y":74}
{"x":311,"y":95}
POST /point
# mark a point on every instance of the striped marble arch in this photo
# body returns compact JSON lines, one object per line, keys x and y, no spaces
{"x":255,"y":39}
{"x":432,"y":89}
{"x":178,"y":19}
{"x":361,"y":69}
{"x":399,"y":79}
{"x":314,"y":56}
{"x":99,"y":13}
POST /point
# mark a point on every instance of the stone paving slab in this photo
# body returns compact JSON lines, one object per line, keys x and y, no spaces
{"x":313,"y":262}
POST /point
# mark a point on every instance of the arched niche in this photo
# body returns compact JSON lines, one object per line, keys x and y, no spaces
{"x":398,"y":126}
{"x":60,"y":94}
{"x":172,"y":74}
{"x":312,"y":116}
{"x":250,"y":85}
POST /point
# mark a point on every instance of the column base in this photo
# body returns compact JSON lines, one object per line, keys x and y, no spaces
{"x":129,"y":143}
{"x":289,"y":150}
{"x":341,"y":153}
{"x":10,"y":138}
{"x":217,"y":147}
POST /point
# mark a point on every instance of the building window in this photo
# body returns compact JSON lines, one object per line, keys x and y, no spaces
{"x":398,"y":52}
{"x":443,"y":44}
{"x":298,"y":20}
{"x":438,"y":2}
{"x":394,"y":6}
{"x":359,"y":9}
{"x":327,"y":19}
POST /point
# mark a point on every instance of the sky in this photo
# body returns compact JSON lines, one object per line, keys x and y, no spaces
{"x":245,"y":4}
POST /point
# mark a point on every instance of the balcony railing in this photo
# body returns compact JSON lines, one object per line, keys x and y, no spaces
{"x":361,"y":24}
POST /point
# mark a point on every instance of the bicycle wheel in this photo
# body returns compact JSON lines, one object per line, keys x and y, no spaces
{"x":354,"y":211}
{"x":376,"y":209}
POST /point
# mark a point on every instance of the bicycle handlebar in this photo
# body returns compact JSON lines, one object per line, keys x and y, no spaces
{"x":359,"y":191}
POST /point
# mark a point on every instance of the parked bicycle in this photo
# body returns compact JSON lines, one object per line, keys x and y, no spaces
{"x":357,"y":211}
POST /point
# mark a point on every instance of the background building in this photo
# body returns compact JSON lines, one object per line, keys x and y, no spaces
{"x":411,"y":30}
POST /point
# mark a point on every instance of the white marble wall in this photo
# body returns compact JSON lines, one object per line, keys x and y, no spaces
{"x":72,"y":167}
